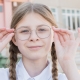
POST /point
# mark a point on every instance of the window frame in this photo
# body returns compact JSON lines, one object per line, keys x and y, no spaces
{"x":71,"y":15}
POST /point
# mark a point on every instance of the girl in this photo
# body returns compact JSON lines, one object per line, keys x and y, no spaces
{"x":34,"y":34}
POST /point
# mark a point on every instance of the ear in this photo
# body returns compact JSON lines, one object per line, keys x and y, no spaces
{"x":53,"y":38}
{"x":14,"y":40}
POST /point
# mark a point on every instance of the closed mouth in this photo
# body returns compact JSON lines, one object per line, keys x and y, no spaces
{"x":34,"y":47}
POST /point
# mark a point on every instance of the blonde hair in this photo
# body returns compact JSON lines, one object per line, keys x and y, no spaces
{"x":22,"y":10}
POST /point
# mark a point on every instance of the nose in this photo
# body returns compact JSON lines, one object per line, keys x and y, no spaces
{"x":33,"y":36}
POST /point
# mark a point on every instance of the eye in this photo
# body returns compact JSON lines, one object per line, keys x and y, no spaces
{"x":25,"y":31}
{"x":42,"y":30}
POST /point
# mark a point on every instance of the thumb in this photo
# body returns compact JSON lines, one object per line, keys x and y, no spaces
{"x":56,"y":40}
{"x":5,"y":40}
{"x":8,"y":38}
{"x":78,"y":38}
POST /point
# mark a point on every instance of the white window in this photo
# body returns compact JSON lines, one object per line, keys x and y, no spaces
{"x":71,"y":18}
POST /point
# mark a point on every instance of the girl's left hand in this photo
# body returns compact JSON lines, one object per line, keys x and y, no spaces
{"x":65,"y":43}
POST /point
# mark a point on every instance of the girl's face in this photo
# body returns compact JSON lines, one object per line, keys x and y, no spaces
{"x":33,"y":47}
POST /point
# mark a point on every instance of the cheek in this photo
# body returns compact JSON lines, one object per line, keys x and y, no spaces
{"x":19,"y":42}
{"x":20,"y":45}
{"x":49,"y":42}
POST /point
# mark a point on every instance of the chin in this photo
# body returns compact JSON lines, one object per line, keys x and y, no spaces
{"x":35,"y":57}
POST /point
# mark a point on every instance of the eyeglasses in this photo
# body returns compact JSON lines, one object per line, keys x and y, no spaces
{"x":24,"y":33}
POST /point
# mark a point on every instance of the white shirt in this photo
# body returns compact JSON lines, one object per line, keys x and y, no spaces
{"x":22,"y":74}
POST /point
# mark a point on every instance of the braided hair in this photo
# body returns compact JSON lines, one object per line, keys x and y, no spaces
{"x":54,"y":62}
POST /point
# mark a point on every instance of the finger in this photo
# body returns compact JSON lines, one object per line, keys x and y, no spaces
{"x":61,"y":39}
{"x":63,"y":33}
{"x":4,"y":37}
{"x":6,"y":29}
{"x":56,"y":29}
{"x":65,"y":36}
{"x":2,"y":29}
{"x":69,"y":32}
{"x":9,"y":30}
{"x":3,"y":33}
{"x":79,"y":32}
{"x":78,"y":38}
{"x":7,"y":38}
{"x":56,"y":39}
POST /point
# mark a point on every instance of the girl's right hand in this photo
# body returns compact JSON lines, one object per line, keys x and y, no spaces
{"x":5,"y":37}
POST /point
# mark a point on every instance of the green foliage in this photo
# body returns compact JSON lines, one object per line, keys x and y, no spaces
{"x":4,"y":61}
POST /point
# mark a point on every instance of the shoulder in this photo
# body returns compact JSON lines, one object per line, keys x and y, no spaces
{"x":4,"y":73}
{"x":62,"y":76}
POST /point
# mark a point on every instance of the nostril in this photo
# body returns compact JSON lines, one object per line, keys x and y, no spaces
{"x":31,"y":39}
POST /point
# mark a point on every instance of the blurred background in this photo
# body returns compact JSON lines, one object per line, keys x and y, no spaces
{"x":66,"y":13}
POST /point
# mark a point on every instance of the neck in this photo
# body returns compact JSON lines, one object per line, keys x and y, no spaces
{"x":35,"y":67}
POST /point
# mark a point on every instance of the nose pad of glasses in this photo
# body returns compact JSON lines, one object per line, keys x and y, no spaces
{"x":33,"y":35}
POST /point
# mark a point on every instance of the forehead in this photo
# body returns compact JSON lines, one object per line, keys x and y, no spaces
{"x":32,"y":20}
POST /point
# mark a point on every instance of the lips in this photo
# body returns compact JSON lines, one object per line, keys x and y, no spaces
{"x":34,"y":47}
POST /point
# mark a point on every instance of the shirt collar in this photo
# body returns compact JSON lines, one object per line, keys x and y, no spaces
{"x":22,"y":74}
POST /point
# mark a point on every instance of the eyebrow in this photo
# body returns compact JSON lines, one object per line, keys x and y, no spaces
{"x":37,"y":26}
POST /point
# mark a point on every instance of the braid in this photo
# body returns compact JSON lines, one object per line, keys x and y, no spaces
{"x":13,"y":60}
{"x":54,"y":63}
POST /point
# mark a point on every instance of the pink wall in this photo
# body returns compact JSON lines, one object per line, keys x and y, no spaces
{"x":7,"y":13}
{"x":1,"y":20}
{"x":1,"y":17}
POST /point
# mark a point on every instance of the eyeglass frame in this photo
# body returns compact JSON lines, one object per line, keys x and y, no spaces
{"x":33,"y":30}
